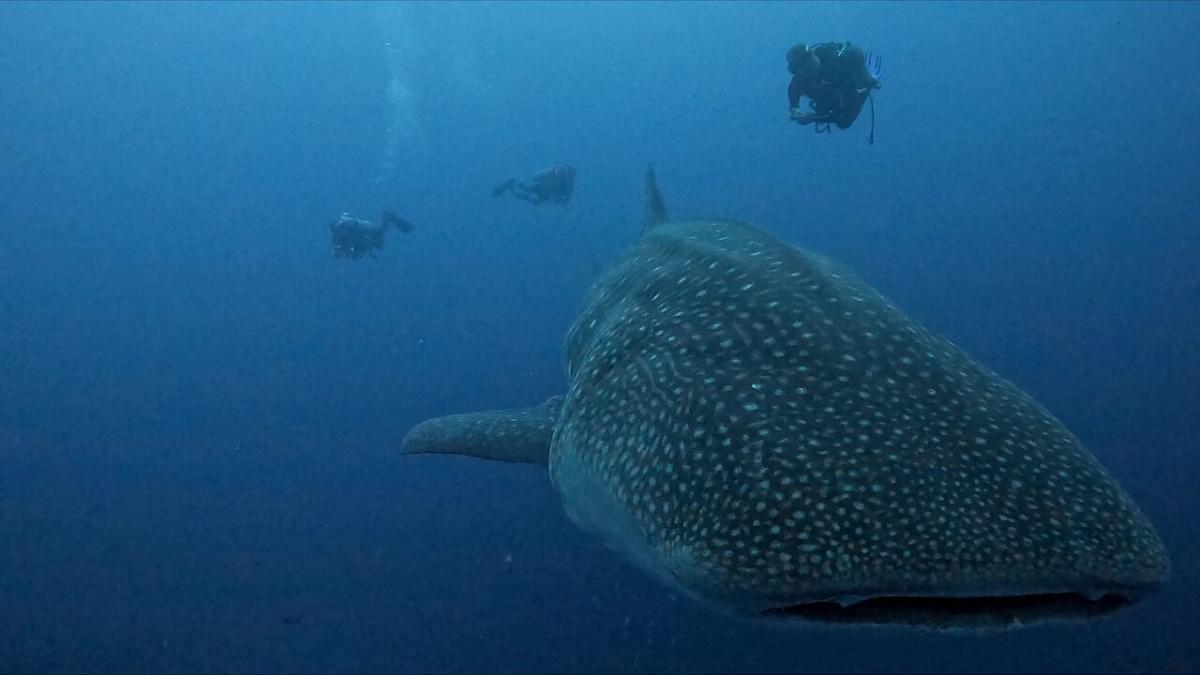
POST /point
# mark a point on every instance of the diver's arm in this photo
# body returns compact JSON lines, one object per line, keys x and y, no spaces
{"x":809,"y":118}
{"x":795,"y":91}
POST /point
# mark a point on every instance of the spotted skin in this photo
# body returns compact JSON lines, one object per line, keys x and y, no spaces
{"x":781,"y":429}
{"x":752,"y":423}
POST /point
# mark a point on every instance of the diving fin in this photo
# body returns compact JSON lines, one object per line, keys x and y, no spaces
{"x":874,"y":63}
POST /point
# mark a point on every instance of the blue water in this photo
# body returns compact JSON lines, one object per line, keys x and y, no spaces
{"x":200,"y":408}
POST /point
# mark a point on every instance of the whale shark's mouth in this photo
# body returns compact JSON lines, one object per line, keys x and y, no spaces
{"x":945,"y":613}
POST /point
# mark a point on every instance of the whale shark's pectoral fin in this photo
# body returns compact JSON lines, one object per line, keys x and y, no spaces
{"x":520,"y":435}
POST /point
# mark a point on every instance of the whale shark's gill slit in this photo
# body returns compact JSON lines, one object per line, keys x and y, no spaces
{"x":655,"y":391}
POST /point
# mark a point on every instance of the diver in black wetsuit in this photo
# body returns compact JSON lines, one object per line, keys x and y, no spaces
{"x":354,"y":238}
{"x":553,"y":185}
{"x":837,"y":78}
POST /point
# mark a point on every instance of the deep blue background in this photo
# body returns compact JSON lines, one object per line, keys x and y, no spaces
{"x":200,"y":408}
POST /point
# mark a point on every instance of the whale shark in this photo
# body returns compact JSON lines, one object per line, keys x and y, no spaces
{"x":756,"y":426}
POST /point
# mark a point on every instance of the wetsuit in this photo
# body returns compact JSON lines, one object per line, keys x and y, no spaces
{"x":838,"y":89}
{"x":550,"y":185}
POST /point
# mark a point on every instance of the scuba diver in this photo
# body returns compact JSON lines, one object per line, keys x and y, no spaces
{"x":354,"y":238}
{"x":837,"y":78}
{"x":553,"y":185}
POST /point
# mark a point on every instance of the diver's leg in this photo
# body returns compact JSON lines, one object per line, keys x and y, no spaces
{"x":377,"y":236}
{"x":848,"y":114}
{"x":527,"y":192}
{"x":388,"y":218}
{"x":506,"y":186}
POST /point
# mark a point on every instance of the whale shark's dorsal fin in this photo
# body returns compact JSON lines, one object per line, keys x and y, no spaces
{"x":656,"y":210}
